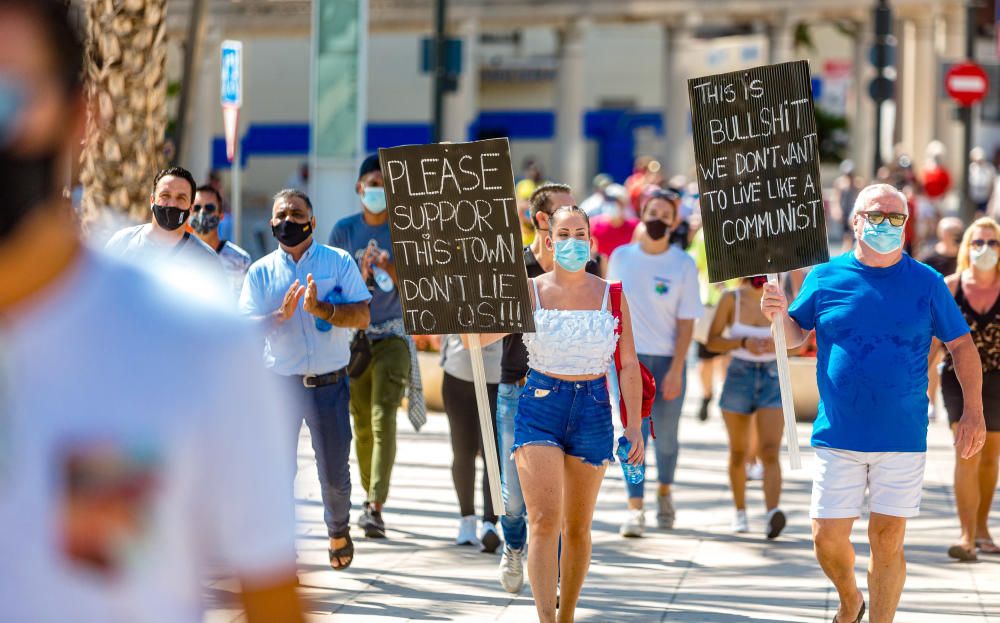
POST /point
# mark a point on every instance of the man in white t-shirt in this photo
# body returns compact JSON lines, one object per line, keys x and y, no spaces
{"x":121,"y":481}
{"x":661,"y":283}
{"x":164,"y":236}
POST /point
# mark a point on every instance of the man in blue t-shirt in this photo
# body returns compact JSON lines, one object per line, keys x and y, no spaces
{"x":377,"y":393}
{"x":875,"y":311}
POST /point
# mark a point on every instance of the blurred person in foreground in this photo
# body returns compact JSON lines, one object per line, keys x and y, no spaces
{"x":875,"y":311}
{"x":207,"y":211}
{"x":306,"y":296}
{"x":119,"y":479}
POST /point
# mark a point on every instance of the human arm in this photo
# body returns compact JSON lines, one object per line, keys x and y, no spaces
{"x":722,"y":319}
{"x":630,"y":383}
{"x":970,"y":433}
{"x":269,"y":320}
{"x":344,"y":315}
{"x":688,"y":311}
{"x":773,"y":303}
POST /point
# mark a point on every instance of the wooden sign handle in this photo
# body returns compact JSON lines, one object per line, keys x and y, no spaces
{"x":785,"y":382}
{"x":486,"y":423}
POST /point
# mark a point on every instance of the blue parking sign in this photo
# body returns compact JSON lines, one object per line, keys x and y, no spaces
{"x":232,"y":70}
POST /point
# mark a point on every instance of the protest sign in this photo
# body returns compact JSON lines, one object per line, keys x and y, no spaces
{"x":456,"y":238}
{"x":757,"y":154}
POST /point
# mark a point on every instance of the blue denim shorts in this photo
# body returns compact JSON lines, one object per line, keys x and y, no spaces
{"x":573,"y":416}
{"x":750,"y":386}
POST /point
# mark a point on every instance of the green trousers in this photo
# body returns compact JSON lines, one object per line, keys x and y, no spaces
{"x":375,"y":398}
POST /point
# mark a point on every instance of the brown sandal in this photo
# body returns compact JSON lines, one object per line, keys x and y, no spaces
{"x":960,"y":553}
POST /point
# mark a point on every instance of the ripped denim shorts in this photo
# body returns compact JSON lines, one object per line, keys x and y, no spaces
{"x":572,"y":415}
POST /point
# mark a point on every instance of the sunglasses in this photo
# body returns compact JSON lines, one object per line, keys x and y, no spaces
{"x":209,"y":208}
{"x":896,"y":219}
{"x":979,"y":244}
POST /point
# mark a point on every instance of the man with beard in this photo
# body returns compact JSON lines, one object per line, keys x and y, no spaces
{"x":207,"y":211}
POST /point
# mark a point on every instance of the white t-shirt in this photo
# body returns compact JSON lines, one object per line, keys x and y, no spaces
{"x":127,"y":409}
{"x":661,"y":290}
{"x":235,"y":262}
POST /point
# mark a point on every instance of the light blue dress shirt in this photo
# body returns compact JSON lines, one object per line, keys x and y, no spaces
{"x":296,"y":346}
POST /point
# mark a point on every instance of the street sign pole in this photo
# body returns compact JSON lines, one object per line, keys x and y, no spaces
{"x":232,"y":101}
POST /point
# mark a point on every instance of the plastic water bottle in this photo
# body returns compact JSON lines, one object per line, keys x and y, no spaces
{"x":634,"y":474}
{"x":335,"y":297}
{"x":382,"y":279}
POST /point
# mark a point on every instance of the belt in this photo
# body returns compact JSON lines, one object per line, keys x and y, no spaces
{"x":319,"y":380}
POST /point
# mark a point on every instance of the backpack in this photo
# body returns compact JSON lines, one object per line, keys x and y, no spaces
{"x":648,"y":381}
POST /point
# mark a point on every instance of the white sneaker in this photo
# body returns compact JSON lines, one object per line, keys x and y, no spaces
{"x":635,"y":525}
{"x":467,"y":531}
{"x":740,"y":523}
{"x":512,"y":569}
{"x":755,"y":472}
{"x":489,"y":539}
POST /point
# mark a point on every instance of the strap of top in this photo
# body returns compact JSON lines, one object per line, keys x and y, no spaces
{"x":538,"y":299}
{"x":604,"y":303}
{"x":736,"y":310}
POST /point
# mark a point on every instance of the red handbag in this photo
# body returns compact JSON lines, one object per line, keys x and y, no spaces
{"x":648,"y":381}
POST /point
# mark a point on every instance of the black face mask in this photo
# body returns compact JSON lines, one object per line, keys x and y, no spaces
{"x":291,"y":234}
{"x":169,"y":217}
{"x":656,"y":229}
{"x":26,"y":183}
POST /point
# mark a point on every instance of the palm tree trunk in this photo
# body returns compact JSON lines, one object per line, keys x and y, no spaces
{"x":125,"y":69}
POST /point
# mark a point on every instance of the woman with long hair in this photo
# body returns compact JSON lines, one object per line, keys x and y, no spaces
{"x":976,"y":288}
{"x":750,"y":396}
{"x":563,"y":433}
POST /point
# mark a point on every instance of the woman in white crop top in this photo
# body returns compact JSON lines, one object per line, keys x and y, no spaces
{"x":751,"y":389}
{"x":563,"y":433}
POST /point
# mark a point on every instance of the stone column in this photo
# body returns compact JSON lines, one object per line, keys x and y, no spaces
{"x":863,"y":118}
{"x":926,"y":78}
{"x":571,"y":153}
{"x":205,"y":109}
{"x":949,"y":129}
{"x":781,"y":39}
{"x":679,"y":157}
{"x":462,"y":107}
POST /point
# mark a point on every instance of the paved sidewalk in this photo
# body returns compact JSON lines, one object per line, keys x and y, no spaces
{"x":699,"y":572}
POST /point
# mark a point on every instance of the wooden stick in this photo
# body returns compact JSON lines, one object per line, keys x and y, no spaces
{"x":486,"y":423}
{"x":785,"y":381}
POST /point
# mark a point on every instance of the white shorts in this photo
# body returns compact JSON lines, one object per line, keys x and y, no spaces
{"x":894,"y":481}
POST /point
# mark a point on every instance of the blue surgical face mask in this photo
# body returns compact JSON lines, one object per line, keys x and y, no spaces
{"x":374,"y":199}
{"x":882,"y":238}
{"x":572,"y":254}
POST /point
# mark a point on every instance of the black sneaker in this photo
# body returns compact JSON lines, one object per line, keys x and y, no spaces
{"x":703,"y":411}
{"x":366,"y":516}
{"x":375,"y":529}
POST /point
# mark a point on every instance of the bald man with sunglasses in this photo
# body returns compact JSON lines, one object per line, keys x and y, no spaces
{"x":874,"y":311}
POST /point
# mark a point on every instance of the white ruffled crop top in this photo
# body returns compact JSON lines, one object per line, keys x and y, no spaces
{"x":571,"y":342}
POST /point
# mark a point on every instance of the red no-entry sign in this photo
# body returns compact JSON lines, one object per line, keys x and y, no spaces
{"x":966,"y":83}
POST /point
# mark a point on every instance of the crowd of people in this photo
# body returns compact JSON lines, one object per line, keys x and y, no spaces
{"x":322,"y":340}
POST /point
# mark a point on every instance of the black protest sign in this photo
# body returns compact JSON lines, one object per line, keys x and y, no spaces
{"x":757,"y":156}
{"x":456,"y":238}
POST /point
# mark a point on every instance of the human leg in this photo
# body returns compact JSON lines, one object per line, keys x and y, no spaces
{"x":390,"y":374}
{"x":540,"y":468}
{"x":887,"y":568}
{"x":581,"y":484}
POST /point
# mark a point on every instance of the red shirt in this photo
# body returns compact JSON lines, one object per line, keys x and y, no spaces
{"x":608,"y":236}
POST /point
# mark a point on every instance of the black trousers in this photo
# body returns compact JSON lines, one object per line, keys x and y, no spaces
{"x":467,"y":442}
